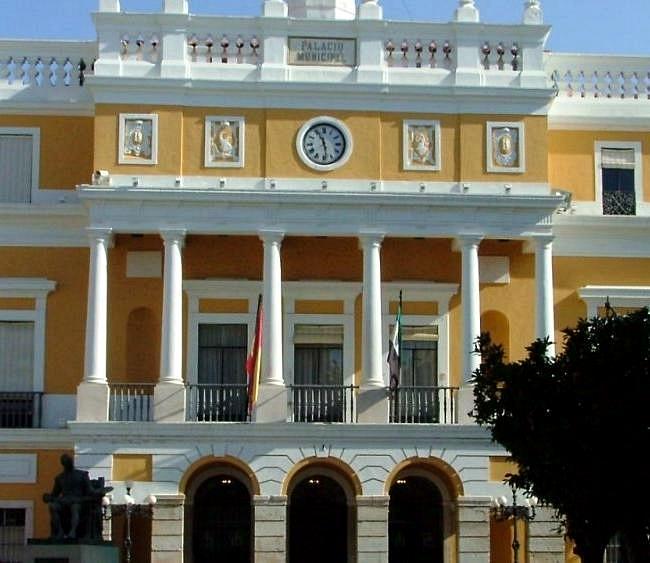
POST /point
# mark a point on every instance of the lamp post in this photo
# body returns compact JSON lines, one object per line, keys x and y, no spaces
{"x":130,"y":509}
{"x":502,"y":511}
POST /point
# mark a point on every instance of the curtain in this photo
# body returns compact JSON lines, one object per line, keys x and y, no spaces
{"x":222,"y":353}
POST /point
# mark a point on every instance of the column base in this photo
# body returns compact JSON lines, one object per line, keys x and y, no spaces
{"x":465,"y":404}
{"x":169,"y":402}
{"x":372,"y":405}
{"x":92,"y":402}
{"x":271,"y":404}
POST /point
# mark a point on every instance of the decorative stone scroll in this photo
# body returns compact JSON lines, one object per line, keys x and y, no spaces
{"x":138,"y":138}
{"x":224,"y":141}
{"x":421,"y":145}
{"x":505,"y":147}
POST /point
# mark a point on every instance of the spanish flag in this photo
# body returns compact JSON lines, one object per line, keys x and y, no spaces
{"x":254,"y":360}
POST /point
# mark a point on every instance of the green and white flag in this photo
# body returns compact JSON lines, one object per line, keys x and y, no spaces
{"x":394,"y":349}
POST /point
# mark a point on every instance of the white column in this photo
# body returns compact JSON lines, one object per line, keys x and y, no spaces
{"x":97,"y":314}
{"x":272,"y":302}
{"x":471,"y":304}
{"x":171,"y":345}
{"x":372,"y":374}
{"x":545,"y":317}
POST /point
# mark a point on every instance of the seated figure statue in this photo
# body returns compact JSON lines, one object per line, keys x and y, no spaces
{"x":75,"y":503}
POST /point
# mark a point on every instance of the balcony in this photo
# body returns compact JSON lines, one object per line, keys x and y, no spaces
{"x":131,"y":402}
{"x":212,"y":402}
{"x":322,"y":403}
{"x":21,"y":409}
{"x":424,"y":405}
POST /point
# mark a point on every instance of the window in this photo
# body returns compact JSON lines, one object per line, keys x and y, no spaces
{"x":318,"y":354}
{"x":16,"y":356}
{"x":12,"y":534}
{"x":419,"y":361}
{"x":618,"y":177}
{"x":19,"y":162}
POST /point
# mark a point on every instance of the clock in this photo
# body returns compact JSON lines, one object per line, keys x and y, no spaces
{"x":324,"y":143}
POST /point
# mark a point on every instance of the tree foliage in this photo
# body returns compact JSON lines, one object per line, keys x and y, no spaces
{"x":578,"y":426}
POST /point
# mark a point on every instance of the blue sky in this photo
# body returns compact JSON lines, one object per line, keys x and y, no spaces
{"x":590,"y":26}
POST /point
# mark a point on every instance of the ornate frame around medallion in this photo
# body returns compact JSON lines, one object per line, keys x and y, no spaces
{"x":433,"y":162}
{"x":511,"y":163}
{"x":125,"y":153}
{"x":237,"y":124}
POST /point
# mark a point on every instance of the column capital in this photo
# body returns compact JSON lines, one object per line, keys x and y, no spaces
{"x":543,"y":240}
{"x":173,"y":236}
{"x":271,"y":237}
{"x":100,"y":233}
{"x":466,"y":241}
{"x":370,"y":239}
{"x":538,"y":242}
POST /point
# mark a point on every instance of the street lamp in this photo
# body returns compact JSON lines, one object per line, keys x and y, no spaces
{"x":502,"y":511}
{"x":129,"y":509}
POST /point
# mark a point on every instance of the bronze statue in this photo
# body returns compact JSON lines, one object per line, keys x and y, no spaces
{"x":75,"y":500}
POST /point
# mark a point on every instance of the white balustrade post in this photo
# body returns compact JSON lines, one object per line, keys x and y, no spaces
{"x":468,"y":60}
{"x":93,"y":392}
{"x":276,"y":42}
{"x":544,"y":314}
{"x":109,"y":6}
{"x":271,"y":404}
{"x":466,"y":12}
{"x":175,"y":6}
{"x":370,"y":10}
{"x":275,"y":9}
{"x":373,"y":403}
{"x":471,"y":303}
{"x":533,"y":14}
{"x":169,"y":394}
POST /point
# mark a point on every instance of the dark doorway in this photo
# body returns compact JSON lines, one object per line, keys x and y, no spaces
{"x":415,"y":522}
{"x":222,"y":521}
{"x":318,"y":522}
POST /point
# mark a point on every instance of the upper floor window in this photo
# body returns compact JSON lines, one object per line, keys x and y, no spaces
{"x":419,"y":356}
{"x":619,"y":180}
{"x":19,"y":162}
{"x":222,"y":353}
{"x":12,"y":534}
{"x":318,"y":354}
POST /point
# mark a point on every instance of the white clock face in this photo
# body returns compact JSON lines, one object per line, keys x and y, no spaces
{"x":324,"y":144}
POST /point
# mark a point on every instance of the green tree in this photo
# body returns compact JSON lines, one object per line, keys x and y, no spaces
{"x":578,"y":426}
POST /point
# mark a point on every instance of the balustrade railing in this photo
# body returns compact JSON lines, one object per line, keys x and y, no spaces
{"x":419,"y":54}
{"x":323,"y":403}
{"x":502,"y":56}
{"x":131,"y":402}
{"x":217,"y":402}
{"x":21,"y":409}
{"x":45,"y":64}
{"x":226,"y":50}
{"x":424,"y":404}
{"x":599,"y":77}
{"x":144,"y":46}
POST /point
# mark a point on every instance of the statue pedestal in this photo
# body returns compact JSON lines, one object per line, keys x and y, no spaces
{"x":71,"y":551}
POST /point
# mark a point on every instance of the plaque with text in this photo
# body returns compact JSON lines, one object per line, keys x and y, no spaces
{"x":322,"y":51}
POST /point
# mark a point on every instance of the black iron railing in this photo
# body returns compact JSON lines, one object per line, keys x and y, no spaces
{"x":323,"y":403}
{"x":217,"y":402}
{"x":21,"y":409}
{"x":617,"y":202}
{"x":424,"y":404}
{"x":131,"y":402}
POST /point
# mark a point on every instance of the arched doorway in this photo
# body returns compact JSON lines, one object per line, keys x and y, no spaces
{"x":415,"y":521}
{"x":321,"y":526}
{"x":219,"y":517}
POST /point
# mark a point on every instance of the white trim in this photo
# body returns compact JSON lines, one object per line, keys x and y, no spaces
{"x":638,"y":169}
{"x":122,"y":157}
{"x":37,"y":289}
{"x":35,"y":133}
{"x":28,"y":505}
{"x":618,"y":295}
{"x":241,"y":141}
{"x":327,"y":120}
{"x":521,"y":147}
{"x":406,"y":161}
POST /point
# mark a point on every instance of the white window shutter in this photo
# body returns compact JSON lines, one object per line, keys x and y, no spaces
{"x":16,"y":168}
{"x":16,"y":356}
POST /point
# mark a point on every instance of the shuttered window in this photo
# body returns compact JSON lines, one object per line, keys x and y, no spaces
{"x":12,"y":535}
{"x":618,"y":181}
{"x":16,"y":162}
{"x":16,"y":356}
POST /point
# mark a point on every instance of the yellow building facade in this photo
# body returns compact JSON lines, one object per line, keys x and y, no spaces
{"x":156,"y":183}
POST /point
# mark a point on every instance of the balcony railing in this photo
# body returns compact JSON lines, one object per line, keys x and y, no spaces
{"x":21,"y":409}
{"x":131,"y":402}
{"x":424,"y":404}
{"x":217,"y":402}
{"x":323,"y":403}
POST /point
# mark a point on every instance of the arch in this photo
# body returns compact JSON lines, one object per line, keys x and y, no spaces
{"x":440,"y":470}
{"x":206,"y":466}
{"x":335,"y":468}
{"x":498,"y":325}
{"x":445,"y":486}
{"x":142,"y":346}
